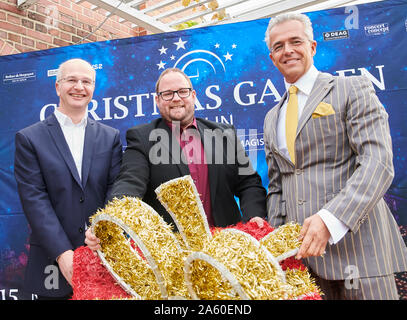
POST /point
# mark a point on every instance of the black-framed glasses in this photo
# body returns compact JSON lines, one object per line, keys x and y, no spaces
{"x":169,"y":94}
{"x":73,"y":81}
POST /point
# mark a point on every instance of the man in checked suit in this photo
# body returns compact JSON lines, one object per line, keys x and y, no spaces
{"x":179,"y":144}
{"x":329,"y":156}
{"x":65,"y":167}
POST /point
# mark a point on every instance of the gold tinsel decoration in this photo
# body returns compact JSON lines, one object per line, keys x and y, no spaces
{"x":161,"y":264}
{"x":283,"y":242}
{"x":301,"y":282}
{"x":181,"y":199}
{"x":251,"y":269}
{"x":154,"y":240}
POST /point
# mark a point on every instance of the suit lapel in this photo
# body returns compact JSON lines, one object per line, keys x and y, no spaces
{"x":88,"y":149}
{"x":174,"y":150}
{"x":274,"y":121}
{"x":322,"y":86}
{"x":273,"y":127}
{"x":59,"y":140}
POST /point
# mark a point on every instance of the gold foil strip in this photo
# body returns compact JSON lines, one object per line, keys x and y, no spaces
{"x":235,"y":260}
{"x":283,"y":242}
{"x":208,"y":279}
{"x":302,"y":282}
{"x":162,"y":254}
{"x":181,"y":199}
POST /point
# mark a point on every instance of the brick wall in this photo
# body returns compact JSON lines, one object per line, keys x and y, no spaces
{"x":57,"y":23}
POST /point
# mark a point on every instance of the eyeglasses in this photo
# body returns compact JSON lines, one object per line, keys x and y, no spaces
{"x":169,"y":94}
{"x":278,"y":47}
{"x":74,"y":81}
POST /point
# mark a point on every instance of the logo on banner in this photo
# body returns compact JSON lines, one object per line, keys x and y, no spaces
{"x":377,"y":29}
{"x":53,"y":72}
{"x":405,"y":24}
{"x":18,"y":77}
{"x":252,"y":141}
{"x":336,"y":35}
{"x":197,"y":61}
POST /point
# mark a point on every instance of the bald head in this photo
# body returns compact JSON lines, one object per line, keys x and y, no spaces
{"x":74,"y":62}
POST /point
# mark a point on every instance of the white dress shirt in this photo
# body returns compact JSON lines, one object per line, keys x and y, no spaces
{"x":336,"y":227}
{"x":75,"y":137}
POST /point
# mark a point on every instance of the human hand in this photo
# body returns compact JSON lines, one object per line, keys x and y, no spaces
{"x":314,"y":235}
{"x":259,"y":221}
{"x":65,"y":263}
{"x":92,"y":241}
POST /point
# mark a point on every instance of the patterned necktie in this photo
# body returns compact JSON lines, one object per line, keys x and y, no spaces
{"x":291,"y":121}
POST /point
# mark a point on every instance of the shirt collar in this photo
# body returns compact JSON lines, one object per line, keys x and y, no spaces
{"x":192,"y":124}
{"x":306,"y":82}
{"x":64,"y":120}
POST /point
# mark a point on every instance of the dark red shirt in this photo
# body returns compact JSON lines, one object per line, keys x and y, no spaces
{"x":194,"y":152}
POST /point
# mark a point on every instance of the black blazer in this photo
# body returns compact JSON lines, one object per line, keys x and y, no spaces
{"x":153,"y":157}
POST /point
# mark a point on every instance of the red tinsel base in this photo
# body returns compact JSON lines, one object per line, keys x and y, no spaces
{"x":91,"y":280}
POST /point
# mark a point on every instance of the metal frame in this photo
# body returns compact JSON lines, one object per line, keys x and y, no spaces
{"x":156,"y":18}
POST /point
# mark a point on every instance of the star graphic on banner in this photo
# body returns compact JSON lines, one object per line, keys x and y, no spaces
{"x":228,"y":56}
{"x":212,"y":56}
{"x":180,"y":44}
{"x":163,"y":50}
{"x":161,"y":65}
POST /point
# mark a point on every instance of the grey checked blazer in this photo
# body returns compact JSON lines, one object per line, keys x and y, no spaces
{"x":343,"y":164}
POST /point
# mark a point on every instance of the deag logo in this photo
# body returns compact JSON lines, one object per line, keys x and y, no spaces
{"x":194,"y":62}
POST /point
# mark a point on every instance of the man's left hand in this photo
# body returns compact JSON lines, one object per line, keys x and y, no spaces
{"x":314,"y":235}
{"x":65,"y":262}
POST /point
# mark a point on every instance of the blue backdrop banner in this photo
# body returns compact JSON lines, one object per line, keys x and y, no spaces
{"x":235,"y":80}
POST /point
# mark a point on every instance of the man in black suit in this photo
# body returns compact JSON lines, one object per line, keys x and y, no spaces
{"x":179,"y":144}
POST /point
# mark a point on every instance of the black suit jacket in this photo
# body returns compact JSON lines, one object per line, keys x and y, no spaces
{"x":153,"y":156}
{"x":56,"y":202}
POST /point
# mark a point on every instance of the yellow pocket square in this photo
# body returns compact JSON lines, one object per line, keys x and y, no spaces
{"x":322,"y":110}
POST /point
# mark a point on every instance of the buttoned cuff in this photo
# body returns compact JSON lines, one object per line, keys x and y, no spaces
{"x":336,"y":227}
